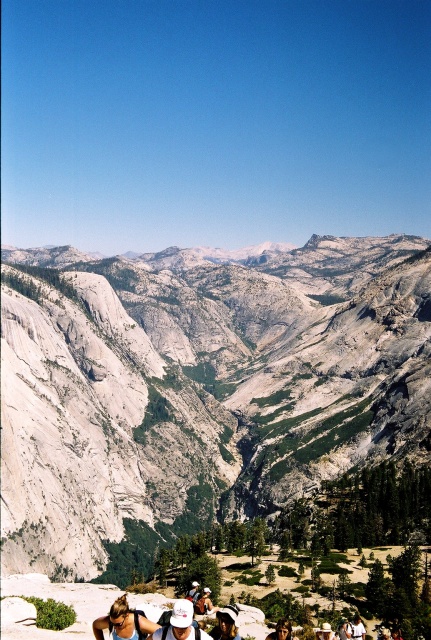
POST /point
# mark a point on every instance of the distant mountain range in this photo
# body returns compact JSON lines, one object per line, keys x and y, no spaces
{"x":172,"y":388}
{"x":57,"y":256}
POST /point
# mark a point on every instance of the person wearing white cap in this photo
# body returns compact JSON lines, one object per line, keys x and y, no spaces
{"x":325,"y":633}
{"x":204,"y":604}
{"x":180,"y":626}
{"x":193,"y":594}
{"x":226,"y":628}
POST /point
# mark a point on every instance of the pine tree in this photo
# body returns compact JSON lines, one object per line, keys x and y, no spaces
{"x":376,"y":588}
{"x":362,"y":562}
{"x":255,"y":543}
{"x":270,"y":574}
{"x":162,"y":566}
{"x":285,"y":545}
{"x":206,"y":571}
{"x":344,"y":585}
{"x":403,"y":602}
{"x":218,"y":539}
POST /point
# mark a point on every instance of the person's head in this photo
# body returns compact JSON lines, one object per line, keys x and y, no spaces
{"x":195,"y":584}
{"x":227,"y":620}
{"x":181,"y":618}
{"x":357,"y":619}
{"x":119,"y":611}
{"x":283,"y":629}
{"x":206,"y":592}
{"x":386,"y":633}
{"x":327,"y":630}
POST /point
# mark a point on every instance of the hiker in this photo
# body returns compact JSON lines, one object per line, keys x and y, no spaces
{"x":325,"y":633}
{"x":345,"y":629}
{"x":226,"y":628}
{"x":193,"y":594}
{"x":204,"y":604}
{"x":180,"y":626}
{"x":358,"y":629}
{"x":396,"y":634}
{"x":283,"y":631}
{"x":123,"y":622}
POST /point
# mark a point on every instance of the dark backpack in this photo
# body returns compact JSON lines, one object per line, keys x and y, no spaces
{"x":136,"y":614}
{"x":194,"y":598}
{"x":165,"y":619}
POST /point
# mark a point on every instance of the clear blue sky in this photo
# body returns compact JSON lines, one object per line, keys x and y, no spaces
{"x":140,"y":124}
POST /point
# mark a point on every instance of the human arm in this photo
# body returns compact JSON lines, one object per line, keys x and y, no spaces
{"x":98,"y":625}
{"x":211,"y":607}
{"x":146,"y":626}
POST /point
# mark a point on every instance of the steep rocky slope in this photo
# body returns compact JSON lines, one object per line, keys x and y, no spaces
{"x":357,"y":392}
{"x":111,"y":390}
{"x":75,"y":387}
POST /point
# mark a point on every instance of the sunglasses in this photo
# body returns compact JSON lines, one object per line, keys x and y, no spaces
{"x":118,"y":625}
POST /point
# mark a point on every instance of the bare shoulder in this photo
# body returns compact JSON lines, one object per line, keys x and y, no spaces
{"x":101,"y":623}
{"x":147,"y":626}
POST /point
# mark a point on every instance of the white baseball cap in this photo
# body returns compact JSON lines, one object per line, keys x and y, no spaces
{"x":206,"y":590}
{"x":182,"y":614}
{"x":195,"y":584}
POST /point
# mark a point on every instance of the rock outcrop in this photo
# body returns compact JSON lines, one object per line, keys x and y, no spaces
{"x":144,"y":393}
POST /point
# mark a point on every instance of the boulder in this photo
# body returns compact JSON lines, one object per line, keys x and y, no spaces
{"x":17,"y":611}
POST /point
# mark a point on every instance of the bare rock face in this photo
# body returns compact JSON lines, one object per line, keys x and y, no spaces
{"x":89,"y":602}
{"x":136,"y":387}
{"x":74,"y":388}
{"x":357,"y":392}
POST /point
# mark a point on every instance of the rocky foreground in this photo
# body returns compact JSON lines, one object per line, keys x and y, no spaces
{"x":89,"y":601}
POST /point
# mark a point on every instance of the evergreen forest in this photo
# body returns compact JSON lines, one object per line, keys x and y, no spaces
{"x":378,"y":506}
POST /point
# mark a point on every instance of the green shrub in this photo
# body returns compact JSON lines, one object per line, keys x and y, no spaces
{"x":302,"y":589}
{"x":287,"y":572}
{"x":276,"y":398}
{"x":251,"y":578}
{"x":327,"y":565}
{"x":52,"y":614}
{"x":239,"y":566}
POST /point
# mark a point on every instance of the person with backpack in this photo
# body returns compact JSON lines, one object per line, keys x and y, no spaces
{"x":358,"y":629}
{"x":124,"y":622}
{"x":345,"y":629}
{"x":181,"y":625}
{"x":204,"y":604}
{"x":193,"y":594}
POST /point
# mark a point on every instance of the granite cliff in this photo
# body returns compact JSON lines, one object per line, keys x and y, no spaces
{"x":148,"y":388}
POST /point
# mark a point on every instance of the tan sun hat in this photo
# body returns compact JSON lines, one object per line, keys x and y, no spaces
{"x":326,"y":626}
